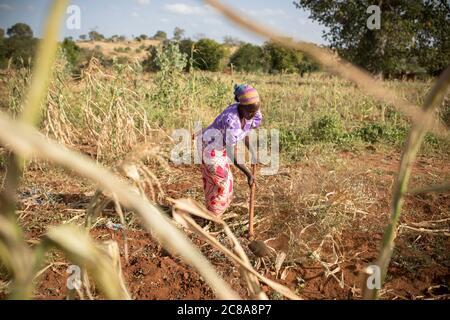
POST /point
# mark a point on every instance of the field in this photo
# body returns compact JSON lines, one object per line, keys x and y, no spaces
{"x":326,"y":208}
{"x":133,"y":50}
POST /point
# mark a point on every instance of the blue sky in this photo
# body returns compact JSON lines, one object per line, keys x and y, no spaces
{"x":135,"y":17}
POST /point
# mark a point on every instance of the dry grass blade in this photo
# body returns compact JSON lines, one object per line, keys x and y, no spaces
{"x":340,"y":67}
{"x":13,"y":250}
{"x":445,"y":232}
{"x":440,"y":188}
{"x":26,"y":141}
{"x":130,"y":167}
{"x":101,"y":263}
{"x":183,"y":206}
{"x":17,"y":258}
{"x":37,"y":90}
{"x":112,"y":248}
{"x":414,"y":140}
{"x":252,"y":281}
{"x":119,"y":211}
{"x":45,"y":58}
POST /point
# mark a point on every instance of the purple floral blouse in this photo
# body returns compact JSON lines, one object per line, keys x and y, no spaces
{"x":229,"y":126}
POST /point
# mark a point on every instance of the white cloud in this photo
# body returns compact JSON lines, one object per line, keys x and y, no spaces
{"x":7,"y":7}
{"x":302,"y":21}
{"x":164,"y":20}
{"x":143,"y":2}
{"x":267,"y":12}
{"x":272,"y":22}
{"x":212,"y":21}
{"x":185,"y":9}
{"x":135,"y":14}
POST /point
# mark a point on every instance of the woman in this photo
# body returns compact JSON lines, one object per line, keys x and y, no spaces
{"x":219,"y":140}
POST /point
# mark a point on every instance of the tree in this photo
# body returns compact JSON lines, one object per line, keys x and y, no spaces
{"x":187,"y":47}
{"x":199,"y":36}
{"x":160,"y":35}
{"x":232,"y":41}
{"x":142,"y":37}
{"x":83,"y":37}
{"x":72,"y":51}
{"x":409,"y":31}
{"x":248,"y":58}
{"x":433,"y":39}
{"x":166,"y":57}
{"x":2,"y":48}
{"x":208,"y":54}
{"x":20,"y":46}
{"x":95,"y":36}
{"x":149,"y":63}
{"x":170,"y":60}
{"x":20,"y":30}
{"x":307,"y":65}
{"x":281,"y":59}
{"x":178,"y":34}
{"x":114,"y":38}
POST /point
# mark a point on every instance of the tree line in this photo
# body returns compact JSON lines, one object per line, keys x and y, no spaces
{"x":413,"y":38}
{"x":203,"y":54}
{"x":413,"y":41}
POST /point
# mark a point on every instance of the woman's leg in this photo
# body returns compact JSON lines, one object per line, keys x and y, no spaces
{"x":217,"y":183}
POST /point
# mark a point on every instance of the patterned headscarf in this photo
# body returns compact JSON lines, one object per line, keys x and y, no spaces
{"x":246,"y":94}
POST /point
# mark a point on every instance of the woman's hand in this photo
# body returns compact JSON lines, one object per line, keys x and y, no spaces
{"x":250,"y":179}
{"x":243,"y":168}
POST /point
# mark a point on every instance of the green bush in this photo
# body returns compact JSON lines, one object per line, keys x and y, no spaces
{"x":187,"y":46}
{"x":444,"y":112}
{"x":397,"y":135}
{"x":307,"y":65}
{"x":278,"y":59}
{"x":208,"y":54}
{"x":293,"y":141}
{"x":71,"y":51}
{"x":171,"y":60}
{"x":327,"y":128}
{"x":372,"y":132}
{"x":376,"y":132}
{"x":3,"y":60}
{"x":95,"y":36}
{"x":166,"y":55}
{"x":149,"y":64}
{"x":160,"y":35}
{"x":281,"y":59}
{"x":431,"y":140}
{"x":248,"y":58}
{"x":20,"y":46}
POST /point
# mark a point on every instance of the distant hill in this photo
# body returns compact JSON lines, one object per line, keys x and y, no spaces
{"x":131,"y":49}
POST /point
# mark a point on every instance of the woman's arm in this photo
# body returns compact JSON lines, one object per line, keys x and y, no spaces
{"x":242,"y":167}
{"x":251,"y":149}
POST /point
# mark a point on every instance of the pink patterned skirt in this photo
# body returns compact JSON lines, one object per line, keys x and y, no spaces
{"x":217,"y":181}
